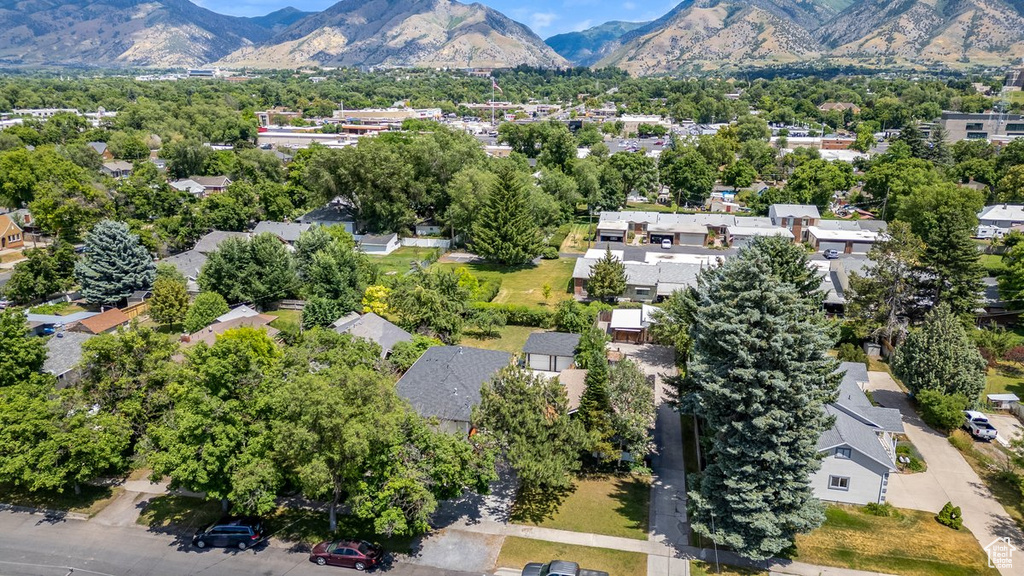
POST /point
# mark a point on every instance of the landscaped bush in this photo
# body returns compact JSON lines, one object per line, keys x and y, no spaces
{"x":549,"y":253}
{"x":559,"y":236}
{"x":885,"y":510}
{"x":907,"y":450}
{"x":1015,"y":354}
{"x":852,"y":353}
{"x":941,"y":411}
{"x":950,"y":516}
{"x":488,"y":290}
{"x":519,"y":315}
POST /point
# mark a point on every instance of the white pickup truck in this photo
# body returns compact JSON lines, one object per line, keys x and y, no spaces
{"x":978,"y":425}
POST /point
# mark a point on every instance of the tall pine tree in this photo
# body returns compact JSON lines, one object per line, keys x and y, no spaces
{"x":607,"y":277}
{"x":505,"y":230}
{"x":114,"y":265}
{"x":759,"y":376}
{"x":940,"y":355}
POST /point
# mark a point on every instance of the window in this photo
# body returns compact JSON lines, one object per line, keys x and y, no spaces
{"x":1015,"y":127}
{"x":643,"y":291}
{"x":838,"y":483}
{"x":843,"y":453}
{"x":974,"y":126}
{"x":977,"y":135}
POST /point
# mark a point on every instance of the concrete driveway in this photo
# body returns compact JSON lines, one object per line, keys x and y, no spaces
{"x":949,"y":477}
{"x":1008,"y":426}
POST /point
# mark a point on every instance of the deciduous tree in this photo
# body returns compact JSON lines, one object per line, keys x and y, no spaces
{"x":940,"y":355}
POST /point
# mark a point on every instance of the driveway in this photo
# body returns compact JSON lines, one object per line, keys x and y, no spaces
{"x":1008,"y":426}
{"x":949,"y":477}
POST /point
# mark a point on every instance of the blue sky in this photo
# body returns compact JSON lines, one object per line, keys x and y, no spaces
{"x":545,"y":17}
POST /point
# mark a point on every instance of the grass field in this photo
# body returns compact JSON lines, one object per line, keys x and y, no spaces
{"x":518,"y":552}
{"x":179,"y":513}
{"x":1006,"y":377}
{"x":284,"y":317}
{"x":610,"y":505}
{"x":526,"y":285}
{"x":91,"y":500}
{"x":993,"y":264}
{"x":578,"y":240}
{"x":311,"y":527}
{"x":511,"y":340}
{"x":911,"y":544}
{"x":400,"y":261}
{"x":1017,"y":96}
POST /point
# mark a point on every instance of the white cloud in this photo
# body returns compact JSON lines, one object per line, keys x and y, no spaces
{"x":541,"y":20}
{"x":580,"y":26}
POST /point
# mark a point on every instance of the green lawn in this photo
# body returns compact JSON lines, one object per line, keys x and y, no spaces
{"x":911,"y":544}
{"x":610,"y":505}
{"x":1006,"y":377}
{"x":525,"y":285}
{"x":400,"y":261}
{"x":511,"y":340}
{"x":311,"y":527}
{"x":285,"y":317}
{"x":993,"y":264}
{"x":1017,"y":96}
{"x":698,"y":568}
{"x":518,"y":552}
{"x":90,"y":501}
{"x":578,"y":240}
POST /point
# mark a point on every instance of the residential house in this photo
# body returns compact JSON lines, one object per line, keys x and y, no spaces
{"x":212,"y":184}
{"x":746,"y":229}
{"x":843,"y":236}
{"x":334,"y":214}
{"x":550,"y":351}
{"x":104,"y":322}
{"x":11,"y":235}
{"x":288,"y":232}
{"x":240,"y":311}
{"x":373,"y":328}
{"x":209,"y":334}
{"x":859,"y":450}
{"x":575,"y":382}
{"x":840,"y":106}
{"x":428,"y":228}
{"x":101,"y":149}
{"x":632,"y":324}
{"x":191,"y":262}
{"x":445,"y":383}
{"x":64,"y":355}
{"x":188,"y":185}
{"x":117,"y":169}
{"x":652,"y":273}
{"x":677,"y":233}
{"x":44,"y":324}
{"x":796,"y":218}
{"x":612,"y":231}
{"x":383,"y":244}
{"x":1002,"y":217}
{"x":212,"y":240}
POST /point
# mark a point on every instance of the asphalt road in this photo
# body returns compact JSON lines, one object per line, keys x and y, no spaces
{"x":30,"y":545}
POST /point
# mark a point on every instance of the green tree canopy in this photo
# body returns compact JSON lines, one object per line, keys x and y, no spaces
{"x":206,"y":307}
{"x":940,"y":355}
{"x":505,"y":231}
{"x":114,"y":265}
{"x":607,"y":277}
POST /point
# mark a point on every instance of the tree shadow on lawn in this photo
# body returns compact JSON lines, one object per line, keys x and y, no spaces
{"x":178,"y":516}
{"x":535,"y":505}
{"x":633,"y":501}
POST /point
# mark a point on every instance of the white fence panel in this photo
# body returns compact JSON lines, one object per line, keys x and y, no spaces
{"x":427,"y":242}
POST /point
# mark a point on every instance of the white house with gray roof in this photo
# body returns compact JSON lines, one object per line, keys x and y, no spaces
{"x":859,"y":450}
{"x":288,"y":232}
{"x":550,"y":351}
{"x":373,"y":328}
{"x":445,"y":383}
{"x":64,"y":355}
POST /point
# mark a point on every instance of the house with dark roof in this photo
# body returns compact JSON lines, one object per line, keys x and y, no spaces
{"x":117,"y":169}
{"x":445,"y":383}
{"x":859,"y":450}
{"x":383,"y":244}
{"x":373,"y":328}
{"x":101,"y":149}
{"x":336,"y":213}
{"x":550,"y":351}
{"x":211,"y":241}
{"x":63,"y":356}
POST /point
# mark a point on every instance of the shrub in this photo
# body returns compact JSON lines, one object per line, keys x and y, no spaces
{"x":849,"y":352}
{"x":941,"y":411}
{"x":950,"y":516}
{"x":961,"y":441}
{"x":885,"y":510}
{"x":1015,"y":354}
{"x":488,"y":290}
{"x":559,"y":236}
{"x":549,"y":253}
{"x":519,"y":315}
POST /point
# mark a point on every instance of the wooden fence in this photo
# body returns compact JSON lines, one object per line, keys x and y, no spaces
{"x":136,"y":309}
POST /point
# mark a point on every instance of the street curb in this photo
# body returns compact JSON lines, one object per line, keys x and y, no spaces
{"x":57,"y":514}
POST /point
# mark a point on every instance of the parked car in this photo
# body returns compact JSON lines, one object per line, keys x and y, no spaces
{"x":356,"y":554}
{"x":4,"y":303}
{"x":666,"y":244}
{"x":831,"y":254}
{"x":978,"y":425}
{"x":558,"y":568}
{"x":230,"y":532}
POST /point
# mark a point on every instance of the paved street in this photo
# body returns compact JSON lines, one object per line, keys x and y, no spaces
{"x":949,"y":477}
{"x":32,"y":546}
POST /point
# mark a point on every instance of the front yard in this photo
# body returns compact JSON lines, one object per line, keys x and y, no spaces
{"x":400,"y":261}
{"x":911,"y":544}
{"x":510,"y":339}
{"x":609,"y":505}
{"x":90,"y":501}
{"x":518,"y":552}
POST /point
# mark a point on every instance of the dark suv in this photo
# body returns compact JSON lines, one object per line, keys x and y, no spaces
{"x":239,"y":532}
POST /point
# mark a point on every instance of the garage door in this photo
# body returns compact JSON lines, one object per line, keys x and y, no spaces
{"x":861,"y":248}
{"x":691,"y":239}
{"x":837,"y":246}
{"x":611,"y":237}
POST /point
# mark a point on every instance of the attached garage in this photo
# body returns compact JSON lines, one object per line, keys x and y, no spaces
{"x":612,"y":231}
{"x":837,"y":246}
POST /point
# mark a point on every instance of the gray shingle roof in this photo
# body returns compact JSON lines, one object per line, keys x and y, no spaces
{"x":857,"y":421}
{"x":376,"y":329}
{"x":64,"y":353}
{"x":552,"y":344}
{"x":287,"y":231}
{"x":793,"y":211}
{"x":445,"y":382}
{"x":378,"y":240}
{"x":212,"y":240}
{"x":330,"y":214}
{"x":189,"y":263}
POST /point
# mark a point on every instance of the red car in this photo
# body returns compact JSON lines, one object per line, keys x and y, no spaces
{"x":348,"y":553}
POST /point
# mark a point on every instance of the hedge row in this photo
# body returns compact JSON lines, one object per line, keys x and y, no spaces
{"x":519,"y":315}
{"x":559,"y":236}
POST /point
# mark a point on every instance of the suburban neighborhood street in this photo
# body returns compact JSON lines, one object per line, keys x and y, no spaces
{"x":949,"y":478}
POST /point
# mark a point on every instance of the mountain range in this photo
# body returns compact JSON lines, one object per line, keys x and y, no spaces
{"x":695,"y":35}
